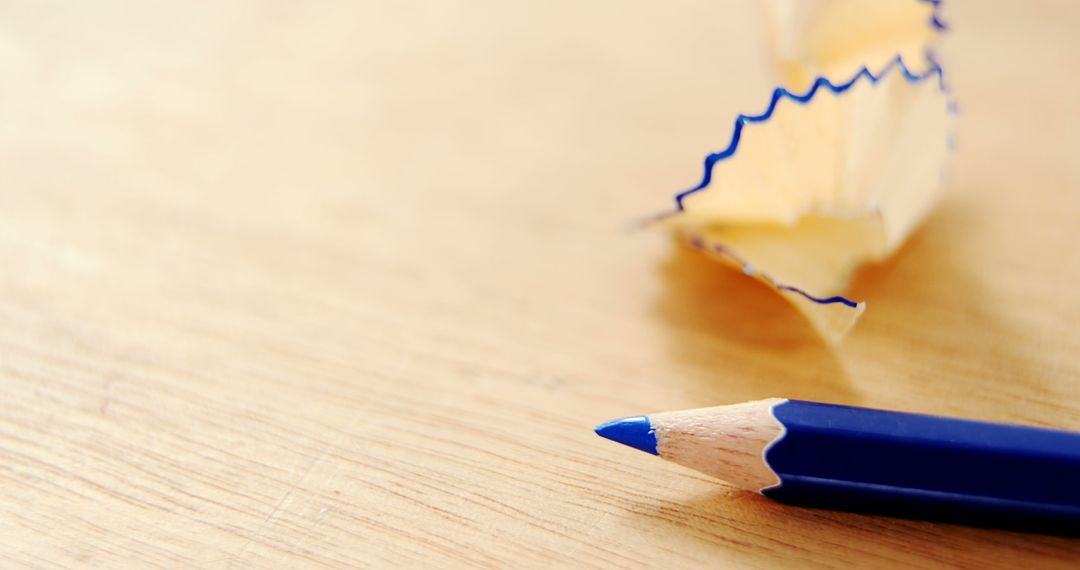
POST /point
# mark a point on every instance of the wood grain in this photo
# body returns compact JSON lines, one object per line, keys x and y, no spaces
{"x":347,"y":285}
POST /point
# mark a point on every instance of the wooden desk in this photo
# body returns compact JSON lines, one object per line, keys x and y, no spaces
{"x":350,"y":285}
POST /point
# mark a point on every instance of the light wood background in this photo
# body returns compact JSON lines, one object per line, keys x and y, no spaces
{"x":348,"y":284}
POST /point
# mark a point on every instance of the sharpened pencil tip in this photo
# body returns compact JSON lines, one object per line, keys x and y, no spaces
{"x":636,"y":431}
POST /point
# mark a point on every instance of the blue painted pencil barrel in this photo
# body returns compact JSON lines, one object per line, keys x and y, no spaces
{"x":926,"y":467}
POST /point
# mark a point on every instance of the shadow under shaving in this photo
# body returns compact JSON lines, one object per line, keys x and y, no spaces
{"x":740,"y":334}
{"x":930,"y":306}
{"x":926,"y":304}
{"x":705,"y":294}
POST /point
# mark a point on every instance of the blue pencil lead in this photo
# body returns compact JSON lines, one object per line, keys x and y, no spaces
{"x":635,"y":431}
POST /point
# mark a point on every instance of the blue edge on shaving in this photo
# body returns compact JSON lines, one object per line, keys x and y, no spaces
{"x":935,"y":18}
{"x":781,"y":93}
{"x":821,"y":82}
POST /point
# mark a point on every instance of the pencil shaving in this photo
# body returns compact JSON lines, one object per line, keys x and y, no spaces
{"x":837,"y":38}
{"x":821,"y":182}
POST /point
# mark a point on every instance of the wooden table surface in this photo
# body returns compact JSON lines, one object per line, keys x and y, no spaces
{"x":349,"y":285}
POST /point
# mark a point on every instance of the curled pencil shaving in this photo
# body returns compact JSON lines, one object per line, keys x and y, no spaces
{"x":806,"y":192}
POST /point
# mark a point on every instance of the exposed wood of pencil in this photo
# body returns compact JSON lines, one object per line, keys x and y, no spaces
{"x":727,"y":442}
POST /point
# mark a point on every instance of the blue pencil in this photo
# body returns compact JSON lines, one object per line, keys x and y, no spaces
{"x":874,"y":461}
